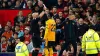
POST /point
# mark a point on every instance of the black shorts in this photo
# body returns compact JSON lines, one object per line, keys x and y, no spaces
{"x":51,"y":44}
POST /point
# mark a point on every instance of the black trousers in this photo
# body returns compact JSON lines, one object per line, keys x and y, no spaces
{"x":66,"y":45}
{"x":92,"y":55}
{"x":36,"y":43}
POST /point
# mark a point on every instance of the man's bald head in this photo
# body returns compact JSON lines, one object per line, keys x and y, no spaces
{"x":81,"y":21}
{"x":35,"y":15}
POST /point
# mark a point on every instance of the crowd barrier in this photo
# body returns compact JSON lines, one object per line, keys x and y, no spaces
{"x":10,"y":14}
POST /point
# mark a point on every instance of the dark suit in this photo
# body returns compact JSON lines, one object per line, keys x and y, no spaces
{"x":70,"y":33}
{"x":35,"y":31}
{"x":81,"y":30}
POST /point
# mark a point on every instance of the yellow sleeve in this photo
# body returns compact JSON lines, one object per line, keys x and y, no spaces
{"x":46,"y":30}
{"x":83,"y":43}
{"x":25,"y":50}
{"x":97,"y":41}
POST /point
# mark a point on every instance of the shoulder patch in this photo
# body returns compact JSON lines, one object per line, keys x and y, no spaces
{"x":18,"y":47}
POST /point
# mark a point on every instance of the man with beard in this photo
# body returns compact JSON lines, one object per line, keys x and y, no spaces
{"x":70,"y":33}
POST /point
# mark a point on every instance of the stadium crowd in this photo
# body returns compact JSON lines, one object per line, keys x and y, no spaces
{"x":86,"y":14}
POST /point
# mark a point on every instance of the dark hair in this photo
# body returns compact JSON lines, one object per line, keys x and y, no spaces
{"x":92,"y":27}
{"x":21,"y":38}
{"x":49,"y":16}
{"x":15,"y":33}
{"x":55,"y":7}
{"x":7,"y":26}
{"x":17,"y":25}
{"x":3,"y":36}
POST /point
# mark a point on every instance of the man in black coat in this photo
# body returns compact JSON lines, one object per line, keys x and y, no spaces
{"x":35,"y":31}
{"x":70,"y":33}
{"x":82,"y":28}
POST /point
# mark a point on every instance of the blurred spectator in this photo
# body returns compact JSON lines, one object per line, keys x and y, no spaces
{"x":30,"y":46}
{"x":82,"y":13}
{"x":93,"y":5}
{"x":42,"y":32}
{"x":9,"y":5}
{"x":15,"y":35}
{"x":4,"y":5}
{"x":22,"y":26}
{"x":50,"y":3}
{"x":28,"y":19}
{"x":58,"y":48}
{"x":58,"y":32}
{"x":19,"y":18}
{"x":1,"y":30}
{"x":60,"y":14}
{"x":10,"y":46}
{"x":79,"y":53}
{"x":3,"y":44}
{"x":90,"y":11}
{"x":9,"y":24}
{"x":7,"y":33}
{"x":13,"y":2}
{"x":65,"y":11}
{"x":41,"y":6}
{"x":29,"y":4}
{"x":87,"y":22}
{"x":54,"y":11}
{"x":4,"y":0}
{"x":77,"y":15}
{"x":17,"y":29}
{"x":36,"y":9}
{"x":35,"y":2}
{"x":60,"y":4}
{"x":98,"y":5}
{"x":66,"y":2}
{"x":17,"y":5}
{"x":14,"y":38}
{"x":27,"y":36}
{"x":40,"y":23}
{"x":22,"y":4}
